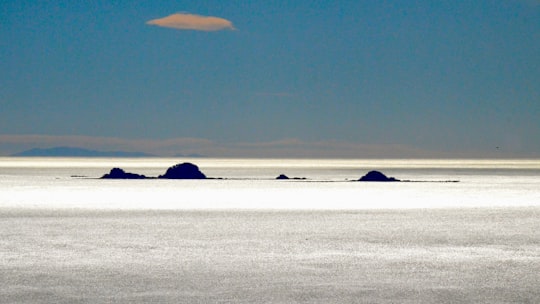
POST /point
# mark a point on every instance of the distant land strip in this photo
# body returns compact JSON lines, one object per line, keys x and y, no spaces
{"x":78,"y":152}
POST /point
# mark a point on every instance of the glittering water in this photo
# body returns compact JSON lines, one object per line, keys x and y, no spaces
{"x":66,"y":239}
{"x":250,"y":183}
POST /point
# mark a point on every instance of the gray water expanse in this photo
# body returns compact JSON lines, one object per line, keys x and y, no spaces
{"x":485,"y":255}
{"x":68,"y":237}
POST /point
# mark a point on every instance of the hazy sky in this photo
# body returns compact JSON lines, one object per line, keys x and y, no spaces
{"x":277,"y":78}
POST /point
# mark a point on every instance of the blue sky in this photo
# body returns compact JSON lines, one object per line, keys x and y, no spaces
{"x":302,"y":78}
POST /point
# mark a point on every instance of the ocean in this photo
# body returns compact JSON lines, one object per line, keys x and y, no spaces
{"x":457,"y":231}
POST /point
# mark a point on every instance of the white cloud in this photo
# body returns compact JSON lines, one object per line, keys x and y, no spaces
{"x":186,"y":21}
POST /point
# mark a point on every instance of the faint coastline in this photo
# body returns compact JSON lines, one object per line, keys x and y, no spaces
{"x":66,"y":151}
{"x":78,"y":152}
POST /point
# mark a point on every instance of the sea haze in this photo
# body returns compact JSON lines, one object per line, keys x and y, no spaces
{"x":69,"y":237}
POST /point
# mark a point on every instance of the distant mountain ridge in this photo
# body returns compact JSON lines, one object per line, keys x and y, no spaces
{"x":78,"y":152}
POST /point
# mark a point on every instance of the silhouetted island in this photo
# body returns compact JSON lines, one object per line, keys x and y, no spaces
{"x":190,"y":171}
{"x":183,"y":171}
{"x":179,"y":171}
{"x":284,"y":177}
{"x":376,"y":176}
{"x":117,"y":173}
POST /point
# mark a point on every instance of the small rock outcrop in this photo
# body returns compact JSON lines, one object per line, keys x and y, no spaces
{"x":117,"y":173}
{"x":376,"y":176}
{"x":183,"y":171}
{"x":284,"y":177}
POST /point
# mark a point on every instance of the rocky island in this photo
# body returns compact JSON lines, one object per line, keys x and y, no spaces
{"x":179,"y":171}
{"x":183,"y":171}
{"x":283,"y":176}
{"x":376,"y":176}
{"x":117,"y":173}
{"x":191,"y":171}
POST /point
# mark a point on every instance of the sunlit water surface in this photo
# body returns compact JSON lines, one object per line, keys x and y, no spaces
{"x":251,"y":184}
{"x":68,"y":237}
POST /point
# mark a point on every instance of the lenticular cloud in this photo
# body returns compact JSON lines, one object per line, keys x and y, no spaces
{"x":185,"y":21}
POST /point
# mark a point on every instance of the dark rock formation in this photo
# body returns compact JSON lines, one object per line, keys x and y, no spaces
{"x":117,"y":173}
{"x":183,"y":171}
{"x":283,"y":176}
{"x":376,"y":176}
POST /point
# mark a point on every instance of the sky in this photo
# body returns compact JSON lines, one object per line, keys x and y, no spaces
{"x":273,"y":78}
